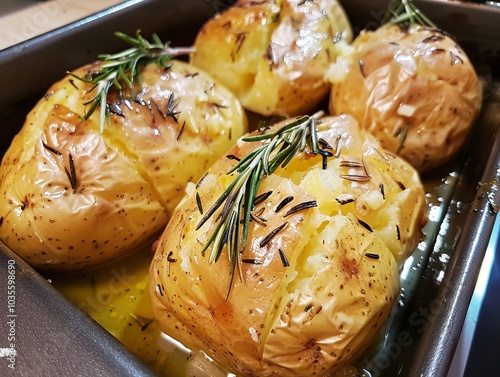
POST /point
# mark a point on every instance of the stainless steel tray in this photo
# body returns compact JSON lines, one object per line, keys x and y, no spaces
{"x":53,"y":336}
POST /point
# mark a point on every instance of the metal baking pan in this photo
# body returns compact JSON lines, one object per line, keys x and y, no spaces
{"x":53,"y":336}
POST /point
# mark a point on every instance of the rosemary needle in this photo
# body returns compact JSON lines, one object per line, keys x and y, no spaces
{"x":124,"y":69}
{"x":232,"y":223}
{"x":406,"y":14}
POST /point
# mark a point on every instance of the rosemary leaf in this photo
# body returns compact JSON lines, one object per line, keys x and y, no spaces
{"x":252,"y":186}
{"x":216,"y":205}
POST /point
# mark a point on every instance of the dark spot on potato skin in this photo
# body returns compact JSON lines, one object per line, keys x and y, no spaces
{"x":349,"y":266}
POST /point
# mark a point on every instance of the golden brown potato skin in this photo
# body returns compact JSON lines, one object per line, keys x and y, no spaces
{"x":125,"y":181}
{"x":273,"y":54}
{"x":319,"y":312}
{"x":415,"y":90}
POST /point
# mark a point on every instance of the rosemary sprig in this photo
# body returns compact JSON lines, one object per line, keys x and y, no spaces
{"x":406,"y":14}
{"x":124,"y":69}
{"x":237,"y":201}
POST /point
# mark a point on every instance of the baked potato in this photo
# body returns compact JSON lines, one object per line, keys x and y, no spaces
{"x":319,"y":272}
{"x":273,"y":54}
{"x":77,"y":195}
{"x":413,"y":88}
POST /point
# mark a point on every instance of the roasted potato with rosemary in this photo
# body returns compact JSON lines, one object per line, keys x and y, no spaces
{"x":273,"y":54}
{"x":289,"y":270}
{"x":413,"y":88}
{"x":79,"y":190}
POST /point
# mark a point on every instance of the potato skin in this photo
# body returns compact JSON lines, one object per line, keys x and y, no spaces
{"x":273,"y":54}
{"x":415,"y":90}
{"x":126,"y":180}
{"x":314,"y":315}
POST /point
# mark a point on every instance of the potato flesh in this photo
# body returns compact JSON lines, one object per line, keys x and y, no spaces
{"x":274,"y":53}
{"x":416,"y":91}
{"x":129,"y":178}
{"x":322,"y":310}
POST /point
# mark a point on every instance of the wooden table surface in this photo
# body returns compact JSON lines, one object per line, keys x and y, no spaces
{"x":21,"y":20}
